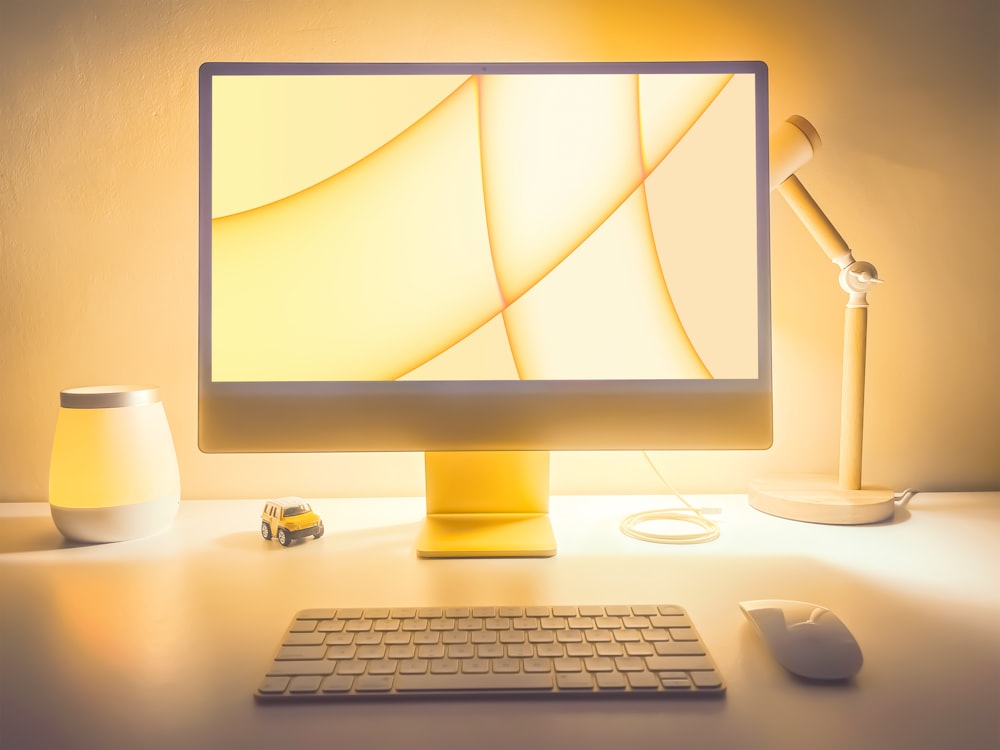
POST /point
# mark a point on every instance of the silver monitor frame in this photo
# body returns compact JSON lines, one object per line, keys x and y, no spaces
{"x":483,"y":415}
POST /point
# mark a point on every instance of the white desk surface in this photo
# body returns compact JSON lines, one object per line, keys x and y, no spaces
{"x":160,"y":643}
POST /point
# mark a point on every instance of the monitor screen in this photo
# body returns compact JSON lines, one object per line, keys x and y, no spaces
{"x":464,"y":257}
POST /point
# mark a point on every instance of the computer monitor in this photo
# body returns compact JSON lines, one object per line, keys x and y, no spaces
{"x":484,"y":262}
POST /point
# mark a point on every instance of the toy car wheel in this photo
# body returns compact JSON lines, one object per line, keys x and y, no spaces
{"x":265,"y":530}
{"x":284,"y":538}
{"x":319,"y":533}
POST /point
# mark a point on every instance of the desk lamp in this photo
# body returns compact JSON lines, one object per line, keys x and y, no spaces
{"x":113,"y":474}
{"x":819,"y":499}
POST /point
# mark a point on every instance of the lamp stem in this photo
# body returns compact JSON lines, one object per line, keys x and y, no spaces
{"x":852,"y":408}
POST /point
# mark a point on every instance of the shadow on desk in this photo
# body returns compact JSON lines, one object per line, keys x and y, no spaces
{"x":371,"y":540}
{"x":32,"y":534}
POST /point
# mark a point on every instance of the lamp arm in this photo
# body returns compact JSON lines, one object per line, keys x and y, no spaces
{"x":819,"y":226}
{"x":856,"y":277}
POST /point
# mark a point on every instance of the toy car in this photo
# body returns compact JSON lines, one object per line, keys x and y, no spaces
{"x":289,"y":518}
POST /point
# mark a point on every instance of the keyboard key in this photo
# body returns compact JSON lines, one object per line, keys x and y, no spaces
{"x":550,"y":650}
{"x":647,"y":610}
{"x":373,"y":683}
{"x":371,"y":652}
{"x":568,"y":664}
{"x":599,"y":664}
{"x":642,"y":681}
{"x":683,"y":634}
{"x":520,"y":651}
{"x":706,"y":679}
{"x":414,"y":666}
{"x":273,"y":685}
{"x":476,"y":666}
{"x":537,"y":665}
{"x":293,"y":668}
{"x":676,"y":680}
{"x":506,"y":666}
{"x":684,"y":663}
{"x":304,"y":684}
{"x":317,"y":614}
{"x":461,"y":651}
{"x":445,"y":666}
{"x":383,"y":666}
{"x":304,"y":639}
{"x":630,"y":664}
{"x":575,"y":681}
{"x":611,"y":681}
{"x":638,"y":649}
{"x":293,"y":653}
{"x":682,"y":648}
{"x":489,"y":651}
{"x":431,"y":651}
{"x":351,"y":667}
{"x":466,"y":683}
{"x":341,"y":652}
{"x":610,"y":649}
{"x":337,"y":684}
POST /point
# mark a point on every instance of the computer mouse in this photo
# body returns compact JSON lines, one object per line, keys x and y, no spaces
{"x":806,"y":639}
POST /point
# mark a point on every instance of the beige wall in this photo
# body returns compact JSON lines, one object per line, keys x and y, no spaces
{"x":98,"y":214}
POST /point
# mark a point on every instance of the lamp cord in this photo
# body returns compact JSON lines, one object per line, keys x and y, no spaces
{"x":688,"y":514}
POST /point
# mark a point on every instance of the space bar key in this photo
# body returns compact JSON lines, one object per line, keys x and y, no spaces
{"x":461,"y":682}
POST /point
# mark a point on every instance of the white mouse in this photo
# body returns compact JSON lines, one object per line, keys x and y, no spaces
{"x":806,"y":639}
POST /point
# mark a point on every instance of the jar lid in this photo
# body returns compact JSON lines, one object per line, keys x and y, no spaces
{"x":108,"y":396}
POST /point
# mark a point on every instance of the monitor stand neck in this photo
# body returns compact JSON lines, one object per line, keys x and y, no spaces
{"x":487,"y":504}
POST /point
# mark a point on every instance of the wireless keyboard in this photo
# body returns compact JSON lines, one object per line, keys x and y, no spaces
{"x":399,"y":653}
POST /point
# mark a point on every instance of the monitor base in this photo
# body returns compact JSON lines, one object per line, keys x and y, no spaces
{"x":819,"y":499}
{"x":487,"y":504}
{"x":487,"y":535}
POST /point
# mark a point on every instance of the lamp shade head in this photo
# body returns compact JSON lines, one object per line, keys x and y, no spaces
{"x":113,"y":474}
{"x":792,"y":144}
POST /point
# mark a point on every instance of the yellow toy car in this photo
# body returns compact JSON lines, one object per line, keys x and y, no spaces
{"x":289,"y":518}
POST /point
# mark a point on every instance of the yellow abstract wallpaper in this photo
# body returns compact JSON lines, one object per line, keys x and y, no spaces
{"x":99,"y":221}
{"x":519,"y":202}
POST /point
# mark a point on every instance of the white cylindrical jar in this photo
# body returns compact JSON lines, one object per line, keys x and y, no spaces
{"x":113,"y":474}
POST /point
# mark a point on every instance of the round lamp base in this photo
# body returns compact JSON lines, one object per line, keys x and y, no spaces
{"x":116,"y":523}
{"x":819,"y":499}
